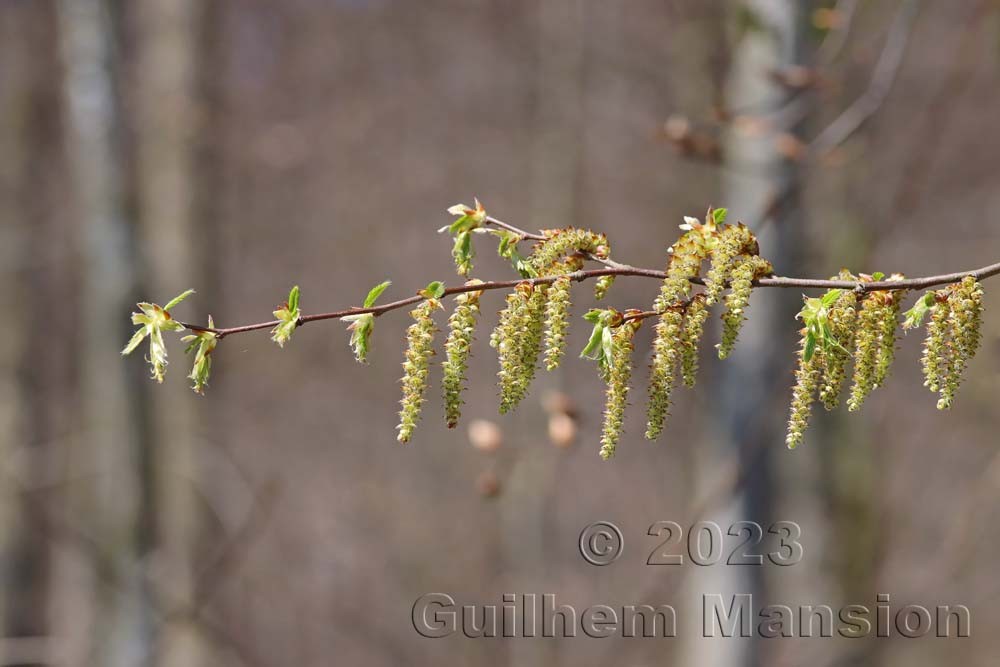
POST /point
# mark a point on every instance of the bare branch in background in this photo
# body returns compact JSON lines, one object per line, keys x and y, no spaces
{"x":878,"y":89}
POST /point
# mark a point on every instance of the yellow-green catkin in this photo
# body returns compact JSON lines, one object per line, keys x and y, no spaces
{"x":416,"y":366}
{"x":602,"y":286}
{"x":532,"y":347}
{"x":557,"y":321}
{"x":662,"y":377}
{"x":746,"y":269}
{"x":461,"y":326}
{"x":686,"y":257}
{"x":967,"y":316}
{"x":731,"y":243}
{"x":874,"y":342}
{"x":954,"y":335}
{"x":936,"y":359}
{"x":888,"y":317}
{"x":807,"y":379}
{"x":967,"y":322}
{"x":506,"y":339}
{"x":870,"y":322}
{"x":694,"y":326}
{"x":518,"y":340}
{"x":563,"y":242}
{"x":618,"y":376}
{"x":843,"y":316}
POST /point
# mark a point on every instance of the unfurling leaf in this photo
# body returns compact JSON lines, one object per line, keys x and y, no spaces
{"x":599,"y":346}
{"x":463,"y":253}
{"x":201,"y":343}
{"x":468,"y":218}
{"x":914,"y":317}
{"x":374,"y":293}
{"x":810,"y":347}
{"x":288,"y":315}
{"x":153,"y":320}
{"x":508,"y":250}
{"x":831,"y":297}
{"x":177,"y":299}
{"x":363,"y":324}
{"x":361,"y":328}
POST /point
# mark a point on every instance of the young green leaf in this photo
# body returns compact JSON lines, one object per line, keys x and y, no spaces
{"x":468,"y":218}
{"x":374,"y":293}
{"x":607,"y":342}
{"x":599,"y":346}
{"x":593,"y":347}
{"x":361,"y":328}
{"x":719,"y":215}
{"x":153,"y":320}
{"x":914,"y":317}
{"x":508,"y":250}
{"x":810,"y":347}
{"x":136,"y":340}
{"x":508,"y":242}
{"x":434,"y":290}
{"x":287,"y":315}
{"x":831,"y":297}
{"x":463,"y":253}
{"x":177,"y":299}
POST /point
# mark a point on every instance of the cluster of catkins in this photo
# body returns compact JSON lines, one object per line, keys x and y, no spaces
{"x":856,"y":327}
{"x":732,"y":253}
{"x":954,"y":334}
{"x":843,"y":327}
{"x":535,"y":319}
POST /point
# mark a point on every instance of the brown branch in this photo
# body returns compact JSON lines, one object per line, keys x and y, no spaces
{"x":613,"y":268}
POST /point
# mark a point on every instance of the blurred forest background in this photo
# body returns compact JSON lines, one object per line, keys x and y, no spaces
{"x":148,"y":146}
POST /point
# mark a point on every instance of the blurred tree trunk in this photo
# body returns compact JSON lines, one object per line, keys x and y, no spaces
{"x":28,"y":140}
{"x":753,"y":383}
{"x":105,"y":585}
{"x":162,"y":86}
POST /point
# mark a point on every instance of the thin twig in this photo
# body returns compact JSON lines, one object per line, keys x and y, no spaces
{"x":878,"y":89}
{"x":511,"y":228}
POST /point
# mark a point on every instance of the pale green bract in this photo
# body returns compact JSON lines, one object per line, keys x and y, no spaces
{"x":201,"y":343}
{"x":153,"y":320}
{"x":363,"y":325}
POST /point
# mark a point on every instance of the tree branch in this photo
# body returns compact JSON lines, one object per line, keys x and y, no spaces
{"x":878,"y":89}
{"x":613,"y":268}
